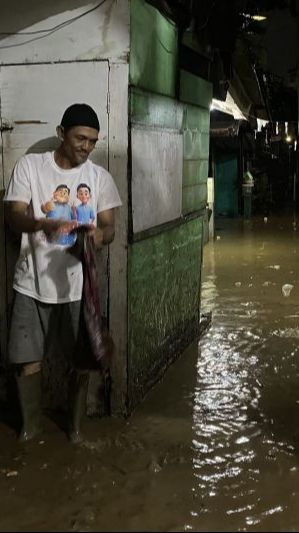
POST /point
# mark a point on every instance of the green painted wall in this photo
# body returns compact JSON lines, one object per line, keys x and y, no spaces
{"x":153,"y":55}
{"x":195,"y":90}
{"x":165,"y":267}
{"x":155,"y":111}
{"x":164,"y":295}
{"x":196,"y":127}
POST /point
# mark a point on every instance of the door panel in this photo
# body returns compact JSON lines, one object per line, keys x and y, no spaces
{"x":33,"y":99}
{"x":226,"y":186}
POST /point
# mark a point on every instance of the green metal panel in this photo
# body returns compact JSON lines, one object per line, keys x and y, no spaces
{"x":196,"y":158}
{"x":195,"y":172}
{"x":153,"y":110}
{"x":153,"y":55}
{"x":195,"y":90}
{"x":194,"y":198}
{"x":197,"y":118}
{"x":196,"y":145}
{"x":164,"y":300}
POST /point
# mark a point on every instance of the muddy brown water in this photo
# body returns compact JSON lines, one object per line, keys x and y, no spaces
{"x":215,"y":445}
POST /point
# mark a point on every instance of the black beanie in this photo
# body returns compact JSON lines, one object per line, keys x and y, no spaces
{"x":80,"y":115}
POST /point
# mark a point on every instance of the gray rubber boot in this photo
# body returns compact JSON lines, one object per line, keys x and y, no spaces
{"x":30,"y":396}
{"x":77,"y":404}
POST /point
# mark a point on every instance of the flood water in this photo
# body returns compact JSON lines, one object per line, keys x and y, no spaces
{"x":215,"y":445}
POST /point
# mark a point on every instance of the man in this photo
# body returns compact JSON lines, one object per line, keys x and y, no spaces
{"x":48,"y":280}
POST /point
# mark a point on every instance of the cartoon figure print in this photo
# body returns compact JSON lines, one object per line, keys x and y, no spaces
{"x":59,"y":207}
{"x":83,"y":213}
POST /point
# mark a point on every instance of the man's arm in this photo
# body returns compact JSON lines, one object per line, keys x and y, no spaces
{"x":19,"y":221}
{"x":104,"y":233}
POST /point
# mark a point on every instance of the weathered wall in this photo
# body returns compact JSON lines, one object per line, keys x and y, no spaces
{"x":196,"y":158}
{"x":164,"y":288}
{"x":157,"y":159}
{"x":166,"y":249}
{"x":153,"y":57}
{"x":63,"y":31}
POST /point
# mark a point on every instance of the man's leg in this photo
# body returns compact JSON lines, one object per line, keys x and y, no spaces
{"x":30,"y":395}
{"x":77,"y":403}
{"x":26,"y":341}
{"x":79,"y":378}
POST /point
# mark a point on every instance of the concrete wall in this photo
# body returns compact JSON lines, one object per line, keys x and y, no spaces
{"x":64,"y":31}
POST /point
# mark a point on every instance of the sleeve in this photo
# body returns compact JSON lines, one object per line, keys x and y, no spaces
{"x":19,"y":189}
{"x":108,"y":194}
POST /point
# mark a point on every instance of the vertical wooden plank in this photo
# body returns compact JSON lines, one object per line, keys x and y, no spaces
{"x":2,"y":247}
{"x":3,"y":302}
{"x":3,"y":317}
{"x":118,"y":160}
{"x":3,"y":324}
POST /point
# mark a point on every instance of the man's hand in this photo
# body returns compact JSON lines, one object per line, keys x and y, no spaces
{"x":51,"y":227}
{"x":98,"y":236}
{"x":106,"y":227}
{"x":20,"y":221}
{"x":104,"y":233}
{"x":90,"y":229}
{"x":47,"y":207}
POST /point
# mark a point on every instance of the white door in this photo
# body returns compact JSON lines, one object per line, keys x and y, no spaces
{"x":33,"y":99}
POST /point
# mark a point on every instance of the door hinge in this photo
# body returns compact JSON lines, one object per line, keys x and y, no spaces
{"x":108,"y":103}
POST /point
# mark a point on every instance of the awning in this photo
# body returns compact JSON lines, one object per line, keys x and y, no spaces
{"x":229,"y":107}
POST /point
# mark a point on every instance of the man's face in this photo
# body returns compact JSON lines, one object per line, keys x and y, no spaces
{"x":61,"y":196}
{"x":83,"y":195}
{"x":78,"y":143}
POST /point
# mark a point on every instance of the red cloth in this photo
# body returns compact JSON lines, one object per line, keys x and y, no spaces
{"x":100,"y":341}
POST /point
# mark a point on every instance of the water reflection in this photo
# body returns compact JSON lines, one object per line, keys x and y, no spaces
{"x":245,"y":410}
{"x":215,"y":445}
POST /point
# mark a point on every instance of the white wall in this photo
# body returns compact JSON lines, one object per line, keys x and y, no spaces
{"x":101,"y":34}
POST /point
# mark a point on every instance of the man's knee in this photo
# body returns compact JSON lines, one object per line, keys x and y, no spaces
{"x":30,"y":368}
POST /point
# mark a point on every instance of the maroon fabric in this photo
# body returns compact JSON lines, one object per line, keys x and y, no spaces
{"x":101,"y":343}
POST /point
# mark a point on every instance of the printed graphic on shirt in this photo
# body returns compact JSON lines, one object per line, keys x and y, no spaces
{"x":59,"y":207}
{"x":83,"y":212}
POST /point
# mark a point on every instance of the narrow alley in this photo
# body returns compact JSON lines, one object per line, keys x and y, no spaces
{"x":214,"y":446}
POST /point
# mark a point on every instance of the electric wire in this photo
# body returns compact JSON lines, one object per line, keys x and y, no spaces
{"x":48,"y":31}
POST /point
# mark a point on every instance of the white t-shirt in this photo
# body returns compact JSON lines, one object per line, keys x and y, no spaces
{"x":46,"y":270}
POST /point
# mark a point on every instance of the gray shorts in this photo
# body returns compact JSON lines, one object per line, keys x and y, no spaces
{"x":36,"y":327}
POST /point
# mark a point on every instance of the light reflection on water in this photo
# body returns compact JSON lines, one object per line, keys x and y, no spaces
{"x":245,"y":444}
